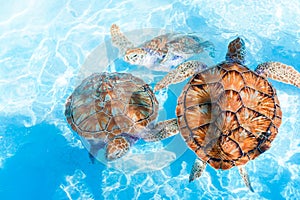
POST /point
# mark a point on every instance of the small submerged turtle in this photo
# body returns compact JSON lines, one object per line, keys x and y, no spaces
{"x":111,"y":111}
{"x":161,"y":53}
{"x":227,"y":114}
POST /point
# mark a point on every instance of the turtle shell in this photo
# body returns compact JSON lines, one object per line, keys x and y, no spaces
{"x":228,"y":115}
{"x":105,"y":105}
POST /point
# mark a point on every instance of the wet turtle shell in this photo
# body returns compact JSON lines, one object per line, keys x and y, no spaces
{"x":228,"y":115}
{"x":107,"y":105}
{"x":166,"y":52}
{"x":161,"y":53}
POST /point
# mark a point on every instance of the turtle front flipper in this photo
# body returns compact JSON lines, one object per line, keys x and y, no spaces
{"x":245,"y":177}
{"x":236,"y":51}
{"x":119,"y":40}
{"x":117,"y":148}
{"x":197,"y":169}
{"x":279,"y":72}
{"x":162,"y":130}
{"x":179,"y":74}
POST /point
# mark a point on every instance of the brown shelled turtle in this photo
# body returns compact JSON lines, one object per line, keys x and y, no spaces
{"x":161,"y":53}
{"x":112,"y":111}
{"x":227,"y":114}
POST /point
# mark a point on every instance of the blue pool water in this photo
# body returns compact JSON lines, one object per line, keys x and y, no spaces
{"x":48,"y":47}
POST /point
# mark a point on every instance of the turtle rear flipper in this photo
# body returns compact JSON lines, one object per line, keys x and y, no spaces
{"x":117,"y":148}
{"x":162,"y":130}
{"x":119,"y":40}
{"x":279,"y":72}
{"x":245,"y":177}
{"x":197,"y":169}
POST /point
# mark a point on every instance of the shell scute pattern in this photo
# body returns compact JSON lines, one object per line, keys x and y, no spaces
{"x":233,"y":124}
{"x":257,"y":83}
{"x":108,"y":105}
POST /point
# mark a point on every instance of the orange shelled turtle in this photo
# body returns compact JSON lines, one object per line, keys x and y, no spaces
{"x":112,"y":111}
{"x":227,"y":114}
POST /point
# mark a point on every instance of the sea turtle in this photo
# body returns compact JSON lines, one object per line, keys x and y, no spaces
{"x":111,"y":110}
{"x":161,"y":53}
{"x":227,"y":114}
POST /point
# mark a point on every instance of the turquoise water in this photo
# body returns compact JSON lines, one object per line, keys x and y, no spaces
{"x":47,"y":48}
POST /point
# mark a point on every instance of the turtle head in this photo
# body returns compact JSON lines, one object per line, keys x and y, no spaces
{"x":135,"y":56}
{"x":236,"y":51}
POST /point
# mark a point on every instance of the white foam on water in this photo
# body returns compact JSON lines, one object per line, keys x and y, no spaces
{"x":288,"y":138}
{"x":75,"y":188}
{"x":158,"y":185}
{"x":142,"y":184}
{"x":9,"y":146}
{"x":141,"y":158}
{"x":70,"y":136}
{"x":265,"y":19}
{"x":291,"y":191}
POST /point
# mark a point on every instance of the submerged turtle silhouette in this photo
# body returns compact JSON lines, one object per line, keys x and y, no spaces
{"x":112,"y":111}
{"x":161,"y":53}
{"x":227,"y":114}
